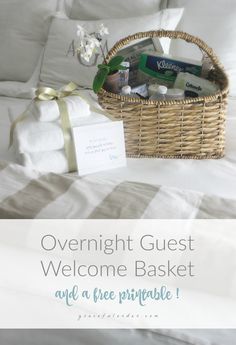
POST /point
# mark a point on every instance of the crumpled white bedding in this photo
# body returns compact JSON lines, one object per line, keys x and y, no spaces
{"x":208,"y":176}
{"x":118,"y":337}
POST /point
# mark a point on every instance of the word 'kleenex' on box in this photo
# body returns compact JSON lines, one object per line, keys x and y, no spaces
{"x":166,"y":68}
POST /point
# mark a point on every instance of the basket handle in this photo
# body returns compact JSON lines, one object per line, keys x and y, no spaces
{"x":169,"y":34}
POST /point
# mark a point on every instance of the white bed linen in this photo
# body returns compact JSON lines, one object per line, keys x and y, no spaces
{"x":115,"y":337}
{"x":208,"y":176}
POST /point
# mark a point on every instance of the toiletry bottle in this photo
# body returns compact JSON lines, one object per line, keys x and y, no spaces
{"x":124,"y":74}
{"x":127,"y":91}
{"x":175,"y":94}
{"x":160,"y":94}
{"x":152,"y":89}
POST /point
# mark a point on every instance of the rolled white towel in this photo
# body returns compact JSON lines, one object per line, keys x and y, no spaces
{"x":52,"y":161}
{"x":34,"y":136}
{"x":48,"y":111}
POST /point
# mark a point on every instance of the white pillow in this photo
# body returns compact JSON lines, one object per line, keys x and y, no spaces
{"x":102,"y":9}
{"x":23,"y":32}
{"x":214,"y":22}
{"x":176,"y":3}
{"x":19,"y":89}
{"x":60,"y":67}
{"x":65,"y":6}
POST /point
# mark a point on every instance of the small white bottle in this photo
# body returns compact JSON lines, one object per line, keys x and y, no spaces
{"x":127,"y":91}
{"x":175,"y":94}
{"x":124,"y":74}
{"x":152,"y":89}
{"x":160,"y":94}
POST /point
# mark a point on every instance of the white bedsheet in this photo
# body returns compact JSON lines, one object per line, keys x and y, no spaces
{"x":116,"y":337}
{"x":208,"y":176}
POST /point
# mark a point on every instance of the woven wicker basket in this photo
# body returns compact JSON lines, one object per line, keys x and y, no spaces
{"x":191,"y":128}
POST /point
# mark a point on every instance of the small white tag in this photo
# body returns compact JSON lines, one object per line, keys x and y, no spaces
{"x":99,"y":147}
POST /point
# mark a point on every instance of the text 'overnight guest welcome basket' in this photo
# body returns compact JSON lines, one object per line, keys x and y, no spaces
{"x":190,"y":128}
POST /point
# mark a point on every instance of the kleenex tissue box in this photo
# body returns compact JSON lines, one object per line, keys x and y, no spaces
{"x":166,"y":68}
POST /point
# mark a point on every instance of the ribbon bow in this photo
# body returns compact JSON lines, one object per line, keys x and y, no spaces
{"x":49,"y":94}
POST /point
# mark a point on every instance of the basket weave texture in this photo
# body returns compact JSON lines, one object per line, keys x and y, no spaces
{"x":190,"y":128}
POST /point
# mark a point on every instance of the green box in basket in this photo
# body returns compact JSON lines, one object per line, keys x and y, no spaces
{"x":166,"y":68}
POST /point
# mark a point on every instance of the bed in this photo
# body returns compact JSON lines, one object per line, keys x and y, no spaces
{"x":126,"y":337}
{"x":146,"y":188}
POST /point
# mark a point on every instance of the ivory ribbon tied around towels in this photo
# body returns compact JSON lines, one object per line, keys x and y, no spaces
{"x":49,"y":111}
{"x":47,"y":94}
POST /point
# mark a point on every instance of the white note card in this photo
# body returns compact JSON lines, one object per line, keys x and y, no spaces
{"x":99,"y":147}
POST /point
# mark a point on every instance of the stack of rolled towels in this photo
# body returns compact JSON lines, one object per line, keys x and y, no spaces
{"x":39,"y":139}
